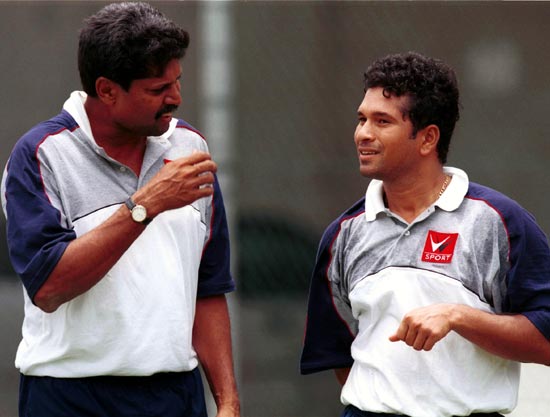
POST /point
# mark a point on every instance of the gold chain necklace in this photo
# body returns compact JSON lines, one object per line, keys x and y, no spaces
{"x":444,"y":187}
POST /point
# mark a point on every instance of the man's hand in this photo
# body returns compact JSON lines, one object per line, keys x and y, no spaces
{"x":423,"y":327}
{"x":179,"y":183}
{"x":229,"y":411}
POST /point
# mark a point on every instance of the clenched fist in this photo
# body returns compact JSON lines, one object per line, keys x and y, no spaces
{"x":179,"y":183}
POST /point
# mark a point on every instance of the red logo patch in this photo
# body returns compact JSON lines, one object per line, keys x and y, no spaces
{"x":439,"y":247}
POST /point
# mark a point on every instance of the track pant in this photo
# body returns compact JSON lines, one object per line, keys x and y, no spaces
{"x":160,"y":395}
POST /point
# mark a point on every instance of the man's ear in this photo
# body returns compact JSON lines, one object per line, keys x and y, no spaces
{"x":429,"y":137}
{"x":107,"y":90}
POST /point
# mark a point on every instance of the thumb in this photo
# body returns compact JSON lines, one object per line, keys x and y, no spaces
{"x":394,"y":338}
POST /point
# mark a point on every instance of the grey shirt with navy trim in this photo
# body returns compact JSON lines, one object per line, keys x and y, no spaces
{"x":473,"y":246}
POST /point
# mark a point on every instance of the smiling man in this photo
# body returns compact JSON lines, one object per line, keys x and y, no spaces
{"x":428,"y":292}
{"x":117,"y":228}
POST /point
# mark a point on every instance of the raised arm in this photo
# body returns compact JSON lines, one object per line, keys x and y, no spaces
{"x":511,"y":336}
{"x":88,"y":258}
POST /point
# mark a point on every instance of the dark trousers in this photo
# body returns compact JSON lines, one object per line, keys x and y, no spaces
{"x":351,"y":411}
{"x":177,"y":394}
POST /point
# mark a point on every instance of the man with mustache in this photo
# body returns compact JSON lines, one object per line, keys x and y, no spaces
{"x":116,"y":226}
{"x":430,"y":290}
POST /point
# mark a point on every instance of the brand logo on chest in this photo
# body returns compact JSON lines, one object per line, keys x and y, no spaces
{"x":439,"y":247}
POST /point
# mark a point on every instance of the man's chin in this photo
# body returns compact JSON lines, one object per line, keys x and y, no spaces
{"x":160,"y":127}
{"x":366,"y":172}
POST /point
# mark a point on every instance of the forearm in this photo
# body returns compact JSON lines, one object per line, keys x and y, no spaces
{"x":212,"y":342}
{"x":342,"y":375}
{"x":87,"y":259}
{"x":509,"y":336}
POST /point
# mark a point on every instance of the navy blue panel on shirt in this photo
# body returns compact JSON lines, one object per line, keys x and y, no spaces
{"x":34,"y":255}
{"x":332,"y":340}
{"x":215,"y":262}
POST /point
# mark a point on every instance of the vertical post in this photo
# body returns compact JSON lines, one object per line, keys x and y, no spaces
{"x":216,"y":119}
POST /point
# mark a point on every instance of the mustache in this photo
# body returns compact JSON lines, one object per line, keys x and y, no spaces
{"x":166,"y":109}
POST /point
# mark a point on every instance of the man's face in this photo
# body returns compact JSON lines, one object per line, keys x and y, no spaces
{"x":146,"y":108}
{"x":384,"y":136}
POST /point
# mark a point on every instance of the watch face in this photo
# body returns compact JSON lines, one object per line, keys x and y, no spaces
{"x":139,"y":213}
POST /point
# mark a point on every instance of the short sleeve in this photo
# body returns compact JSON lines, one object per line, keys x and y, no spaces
{"x":214,"y":271}
{"x":36,"y":235}
{"x":528,"y":289}
{"x":330,"y":327}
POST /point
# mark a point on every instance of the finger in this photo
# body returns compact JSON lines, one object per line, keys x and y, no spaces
{"x":205,"y":166}
{"x":198,"y":156}
{"x":400,"y":333}
{"x":194,"y":158}
{"x":431,"y":341}
{"x":411,"y":336}
{"x":198,"y":189}
{"x":204,"y":179}
{"x":420,"y":342}
{"x":394,"y":338}
{"x":183,"y":168}
{"x":204,"y":192}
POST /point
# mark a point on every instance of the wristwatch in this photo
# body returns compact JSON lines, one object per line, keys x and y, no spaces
{"x":138,"y":212}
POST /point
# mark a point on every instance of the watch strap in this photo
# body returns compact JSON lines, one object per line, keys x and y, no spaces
{"x":131,"y":205}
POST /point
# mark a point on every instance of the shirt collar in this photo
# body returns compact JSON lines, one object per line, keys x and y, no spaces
{"x":450,"y":200}
{"x":452,"y":197}
{"x":74,"y":105}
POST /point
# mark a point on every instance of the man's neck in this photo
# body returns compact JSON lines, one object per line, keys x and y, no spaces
{"x":410,"y":197}
{"x":122,"y":146}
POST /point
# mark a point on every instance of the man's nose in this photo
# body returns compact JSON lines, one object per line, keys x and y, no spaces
{"x":364,"y":132}
{"x":173,"y":97}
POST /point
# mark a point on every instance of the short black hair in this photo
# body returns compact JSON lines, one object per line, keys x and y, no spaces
{"x":431,"y":86}
{"x":125,"y":42}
